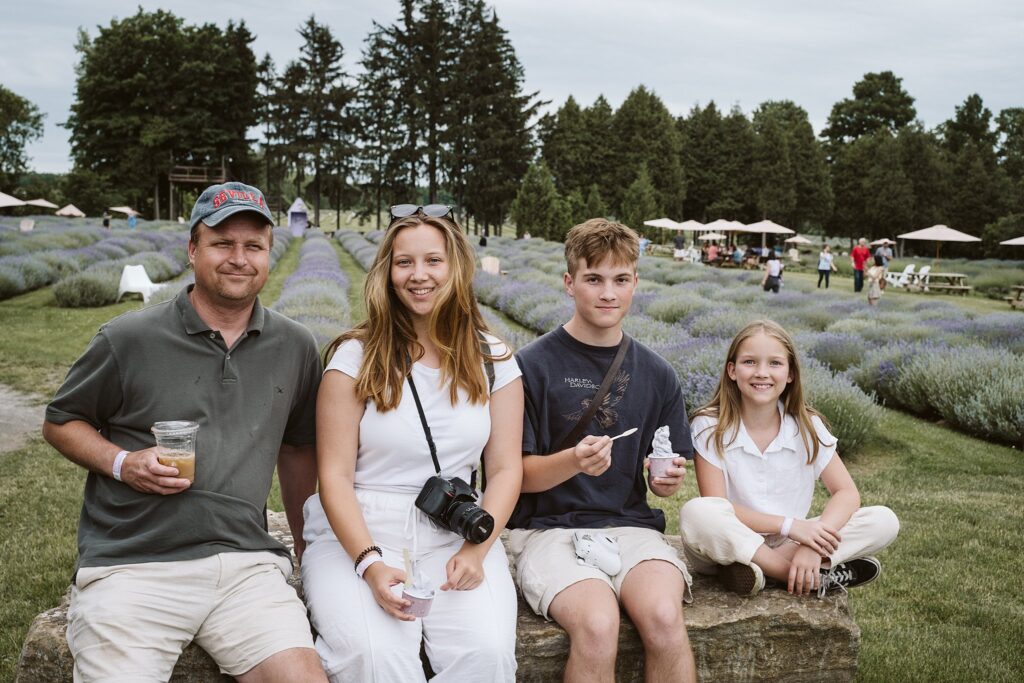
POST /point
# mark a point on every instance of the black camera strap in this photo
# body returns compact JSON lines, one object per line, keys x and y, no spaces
{"x":489,"y":366}
{"x":574,"y":436}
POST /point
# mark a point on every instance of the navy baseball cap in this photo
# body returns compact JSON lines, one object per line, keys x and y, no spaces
{"x":217,"y":202}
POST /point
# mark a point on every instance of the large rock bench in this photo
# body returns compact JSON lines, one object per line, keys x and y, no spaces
{"x":771,"y":637}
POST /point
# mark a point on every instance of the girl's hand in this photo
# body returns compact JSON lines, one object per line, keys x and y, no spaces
{"x":381,"y":578}
{"x":465,"y":569}
{"x":816,"y":535}
{"x":804,"y":571}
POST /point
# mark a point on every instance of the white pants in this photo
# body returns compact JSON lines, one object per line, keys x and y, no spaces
{"x":713,"y":535}
{"x":468,"y":636}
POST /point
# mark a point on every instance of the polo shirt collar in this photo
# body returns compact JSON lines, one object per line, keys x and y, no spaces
{"x":787,"y":438}
{"x":196,"y":325}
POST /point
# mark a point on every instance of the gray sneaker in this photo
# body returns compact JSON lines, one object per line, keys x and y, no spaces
{"x":743,"y":579}
{"x":855,"y":572}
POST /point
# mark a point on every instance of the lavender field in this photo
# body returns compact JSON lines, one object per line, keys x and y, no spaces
{"x":922,"y":355}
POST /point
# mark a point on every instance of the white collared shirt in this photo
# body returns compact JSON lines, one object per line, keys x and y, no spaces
{"x":776,"y":482}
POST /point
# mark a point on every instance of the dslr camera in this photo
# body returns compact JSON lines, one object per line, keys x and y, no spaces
{"x":451,"y":503}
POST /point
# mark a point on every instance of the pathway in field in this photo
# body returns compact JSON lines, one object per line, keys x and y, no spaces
{"x":21,"y":417}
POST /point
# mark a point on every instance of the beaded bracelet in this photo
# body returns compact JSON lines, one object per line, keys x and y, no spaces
{"x":371,"y":549}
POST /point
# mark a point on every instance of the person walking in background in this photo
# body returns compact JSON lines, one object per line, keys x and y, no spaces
{"x":875,"y":277}
{"x":760,"y":451}
{"x":825,"y":265}
{"x":106,"y":219}
{"x":885,"y":251}
{"x":409,"y":400}
{"x":858,"y":256}
{"x":132,"y":221}
{"x":679,"y":244}
{"x":772,"y":280}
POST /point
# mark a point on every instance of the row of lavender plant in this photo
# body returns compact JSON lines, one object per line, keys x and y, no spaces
{"x":363,"y":249}
{"x":26,"y":272}
{"x":316,"y":293}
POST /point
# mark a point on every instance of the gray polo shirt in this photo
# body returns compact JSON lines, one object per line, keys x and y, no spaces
{"x":164,"y":363}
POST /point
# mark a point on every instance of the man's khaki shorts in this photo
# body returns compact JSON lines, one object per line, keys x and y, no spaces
{"x":130,"y":622}
{"x":546,"y":563}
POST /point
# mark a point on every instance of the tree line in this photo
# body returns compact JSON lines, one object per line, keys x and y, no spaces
{"x":438,"y":112}
{"x":875,"y":170}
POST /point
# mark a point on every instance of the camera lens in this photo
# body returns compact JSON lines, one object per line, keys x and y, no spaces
{"x":471,"y":522}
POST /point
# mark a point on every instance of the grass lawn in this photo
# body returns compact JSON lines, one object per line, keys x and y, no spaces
{"x":949,"y":605}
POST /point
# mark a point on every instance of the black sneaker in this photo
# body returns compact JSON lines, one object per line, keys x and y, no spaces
{"x":855,"y":572}
{"x":743,"y":579}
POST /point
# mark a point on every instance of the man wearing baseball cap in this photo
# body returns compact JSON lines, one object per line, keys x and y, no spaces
{"x":163,"y":560}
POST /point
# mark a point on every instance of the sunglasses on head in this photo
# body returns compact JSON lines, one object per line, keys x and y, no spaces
{"x":433,"y":210}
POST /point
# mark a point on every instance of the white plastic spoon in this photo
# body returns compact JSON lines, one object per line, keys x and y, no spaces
{"x":625,"y":433}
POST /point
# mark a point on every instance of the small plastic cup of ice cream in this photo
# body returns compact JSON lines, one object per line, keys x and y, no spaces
{"x":421,"y":600}
{"x":660,"y":466}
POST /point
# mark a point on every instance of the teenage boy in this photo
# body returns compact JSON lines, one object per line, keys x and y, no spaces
{"x":594,"y":487}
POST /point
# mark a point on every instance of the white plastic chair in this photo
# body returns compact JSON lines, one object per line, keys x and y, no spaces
{"x":901,"y":279}
{"x":27,"y":224}
{"x":794,"y":255}
{"x":921,"y":281}
{"x":490,"y":264}
{"x":135,"y":279}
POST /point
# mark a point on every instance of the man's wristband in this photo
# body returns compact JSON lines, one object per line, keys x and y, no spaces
{"x":787,"y":524}
{"x":118,"y":461}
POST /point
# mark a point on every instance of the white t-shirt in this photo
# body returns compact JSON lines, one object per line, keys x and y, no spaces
{"x":393,"y":453}
{"x":776,"y":482}
{"x":774,"y":267}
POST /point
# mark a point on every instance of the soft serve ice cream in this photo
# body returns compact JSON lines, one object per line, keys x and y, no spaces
{"x":661,"y":452}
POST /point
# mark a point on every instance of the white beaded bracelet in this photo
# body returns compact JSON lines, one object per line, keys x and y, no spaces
{"x":787,"y":524}
{"x":365,"y":564}
{"x":118,"y":461}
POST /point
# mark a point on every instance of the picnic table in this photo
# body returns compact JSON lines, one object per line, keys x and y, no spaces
{"x":1017,"y":299}
{"x":953,"y":283}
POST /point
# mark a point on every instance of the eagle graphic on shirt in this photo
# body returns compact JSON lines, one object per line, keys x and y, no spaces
{"x":607,"y":415}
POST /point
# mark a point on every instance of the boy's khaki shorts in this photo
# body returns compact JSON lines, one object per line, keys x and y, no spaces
{"x":546,"y":563}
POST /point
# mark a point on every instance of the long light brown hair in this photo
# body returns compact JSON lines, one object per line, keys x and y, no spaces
{"x":387,"y":335}
{"x":725,"y":404}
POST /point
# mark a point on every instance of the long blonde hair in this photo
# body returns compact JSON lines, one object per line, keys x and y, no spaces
{"x":725,"y":404}
{"x":387,"y":335}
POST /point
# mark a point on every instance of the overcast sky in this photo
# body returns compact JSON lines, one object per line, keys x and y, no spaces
{"x":740,"y":52}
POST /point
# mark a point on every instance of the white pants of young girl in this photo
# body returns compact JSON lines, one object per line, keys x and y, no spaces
{"x":468,"y":635}
{"x":713,"y":535}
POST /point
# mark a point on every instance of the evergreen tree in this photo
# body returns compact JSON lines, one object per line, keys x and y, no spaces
{"x":20,"y":124}
{"x":879,"y":101}
{"x":703,"y":159}
{"x":873,"y":194}
{"x":738,"y":200}
{"x":576,"y":210}
{"x":972,"y":123}
{"x":599,"y":166}
{"x":928,"y":170}
{"x":537,"y":207}
{"x":639,"y":203}
{"x":1011,"y":154}
{"x":566,"y":146}
{"x":773,"y":171}
{"x":644,"y":133}
{"x":595,"y":206}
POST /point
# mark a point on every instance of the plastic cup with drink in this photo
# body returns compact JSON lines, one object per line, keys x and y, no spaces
{"x":176,"y":446}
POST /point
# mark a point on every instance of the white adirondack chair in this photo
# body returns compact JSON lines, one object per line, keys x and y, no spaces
{"x":901,"y":279}
{"x":490,"y":264}
{"x":921,"y":281}
{"x":135,"y":279}
{"x":27,"y":225}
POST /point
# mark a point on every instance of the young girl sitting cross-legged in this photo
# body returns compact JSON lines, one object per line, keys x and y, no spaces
{"x":760,"y":449}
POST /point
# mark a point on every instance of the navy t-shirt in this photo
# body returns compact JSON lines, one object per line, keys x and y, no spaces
{"x":560,"y":377}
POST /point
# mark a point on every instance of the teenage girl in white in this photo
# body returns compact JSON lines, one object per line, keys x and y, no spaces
{"x":760,"y":449}
{"x":419,"y":344}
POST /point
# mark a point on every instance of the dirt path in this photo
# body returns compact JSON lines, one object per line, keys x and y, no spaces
{"x":21,"y":417}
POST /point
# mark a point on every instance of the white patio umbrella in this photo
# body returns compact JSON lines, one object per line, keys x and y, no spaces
{"x":41,"y":202}
{"x":7,"y":200}
{"x":711,"y":236}
{"x":692,"y":225}
{"x":125,"y":210}
{"x":798,"y":240}
{"x":880,"y":242}
{"x":721,"y":225}
{"x":663,"y":223}
{"x":939,"y":234}
{"x":767,"y":227}
{"x":1015,"y":242}
{"x":71,"y":211}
